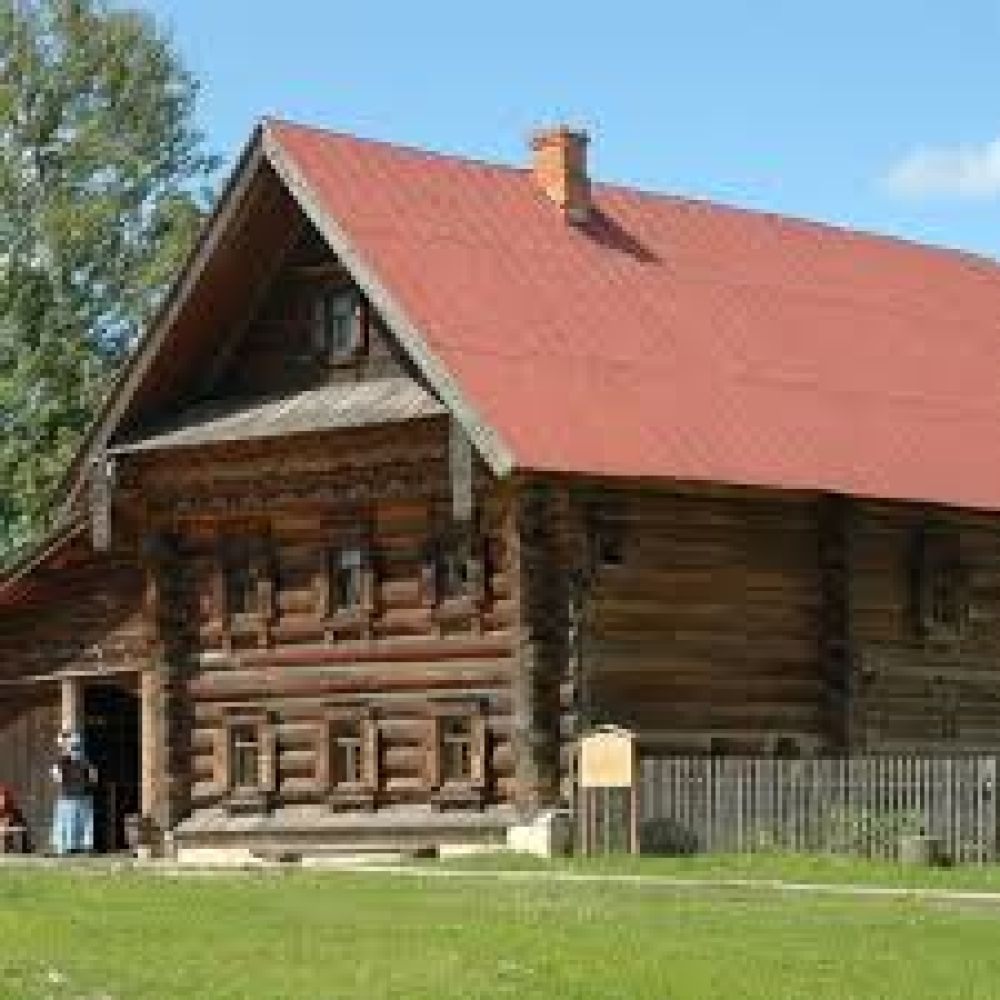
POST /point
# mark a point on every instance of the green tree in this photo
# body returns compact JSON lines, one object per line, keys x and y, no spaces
{"x":103,"y":181}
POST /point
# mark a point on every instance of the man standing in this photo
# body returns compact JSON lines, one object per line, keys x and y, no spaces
{"x":73,"y":824}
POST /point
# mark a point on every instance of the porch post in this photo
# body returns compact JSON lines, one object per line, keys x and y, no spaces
{"x":152,"y":749}
{"x":71,"y":708}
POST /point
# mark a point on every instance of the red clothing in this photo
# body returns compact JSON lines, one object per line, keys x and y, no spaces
{"x":10,"y":815}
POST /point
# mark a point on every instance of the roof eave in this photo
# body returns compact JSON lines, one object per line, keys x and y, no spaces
{"x":104,"y":425}
{"x":48,"y":545}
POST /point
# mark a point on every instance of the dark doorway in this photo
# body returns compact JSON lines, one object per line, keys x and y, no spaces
{"x":111,"y":739}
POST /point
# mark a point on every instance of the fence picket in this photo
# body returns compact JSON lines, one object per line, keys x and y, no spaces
{"x":860,"y":805}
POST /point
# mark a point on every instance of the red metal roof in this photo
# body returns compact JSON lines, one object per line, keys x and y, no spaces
{"x":679,"y":338}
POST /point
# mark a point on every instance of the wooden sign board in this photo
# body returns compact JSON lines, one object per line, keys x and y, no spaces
{"x":607,"y":759}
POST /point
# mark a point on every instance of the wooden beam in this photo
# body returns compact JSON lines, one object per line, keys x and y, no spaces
{"x":460,"y":460}
{"x":100,"y":501}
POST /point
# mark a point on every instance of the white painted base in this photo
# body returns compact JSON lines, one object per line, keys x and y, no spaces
{"x":548,"y":835}
{"x":236,"y":857}
{"x":468,"y":850}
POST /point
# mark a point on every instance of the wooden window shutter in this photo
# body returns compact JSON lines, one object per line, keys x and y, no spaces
{"x":323,"y":775}
{"x":432,"y":754}
{"x":370,"y":751}
{"x":220,"y":760}
{"x":480,"y":750}
{"x":268,"y":736}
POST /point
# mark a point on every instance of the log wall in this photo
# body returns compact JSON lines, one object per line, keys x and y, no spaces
{"x":705,"y":636}
{"x":915,"y":689}
{"x":405,"y":650}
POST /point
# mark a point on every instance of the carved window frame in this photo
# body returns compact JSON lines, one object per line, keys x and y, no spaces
{"x":253,"y":544}
{"x":349,"y":533}
{"x":349,"y":304}
{"x":339,"y":791}
{"x":442,"y":791}
{"x":448,"y":543}
{"x":296,"y":560}
{"x":246,"y":799}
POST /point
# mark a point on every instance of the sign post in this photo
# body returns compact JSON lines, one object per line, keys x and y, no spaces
{"x":609,"y":801}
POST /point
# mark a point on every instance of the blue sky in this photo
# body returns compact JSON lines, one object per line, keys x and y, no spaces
{"x":879,"y":114}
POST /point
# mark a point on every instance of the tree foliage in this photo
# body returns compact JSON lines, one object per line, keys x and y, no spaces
{"x":102,"y":184}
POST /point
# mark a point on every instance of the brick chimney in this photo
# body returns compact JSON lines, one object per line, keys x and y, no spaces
{"x":560,"y":169}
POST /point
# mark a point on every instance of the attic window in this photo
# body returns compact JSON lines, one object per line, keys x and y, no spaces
{"x":338,"y":323}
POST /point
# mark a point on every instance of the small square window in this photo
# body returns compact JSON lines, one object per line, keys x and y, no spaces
{"x":337,"y":323}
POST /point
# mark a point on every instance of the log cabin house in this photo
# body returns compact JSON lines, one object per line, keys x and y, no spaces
{"x":427,"y":463}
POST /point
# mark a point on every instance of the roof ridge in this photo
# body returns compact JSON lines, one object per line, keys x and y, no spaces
{"x":819,"y":226}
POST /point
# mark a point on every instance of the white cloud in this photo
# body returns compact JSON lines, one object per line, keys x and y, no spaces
{"x":959,"y":172}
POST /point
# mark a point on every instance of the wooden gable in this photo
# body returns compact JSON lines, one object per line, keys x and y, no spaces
{"x":272,"y":349}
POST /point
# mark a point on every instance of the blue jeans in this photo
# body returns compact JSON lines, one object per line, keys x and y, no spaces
{"x":73,"y":824}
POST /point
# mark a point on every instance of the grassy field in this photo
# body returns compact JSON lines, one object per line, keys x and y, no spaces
{"x":90,"y":935}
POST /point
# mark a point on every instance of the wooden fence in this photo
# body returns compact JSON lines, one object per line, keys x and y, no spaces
{"x":857,"y":805}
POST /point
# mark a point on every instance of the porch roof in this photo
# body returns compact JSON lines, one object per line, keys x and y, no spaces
{"x":330,"y":407}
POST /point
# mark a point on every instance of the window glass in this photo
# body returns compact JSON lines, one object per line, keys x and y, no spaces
{"x":337,"y":322}
{"x":452,"y":565}
{"x":348,"y":752}
{"x":244,"y":756}
{"x":456,"y":749}
{"x":345,"y":574}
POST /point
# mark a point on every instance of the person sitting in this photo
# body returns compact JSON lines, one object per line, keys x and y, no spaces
{"x":75,"y":777}
{"x":12,"y":827}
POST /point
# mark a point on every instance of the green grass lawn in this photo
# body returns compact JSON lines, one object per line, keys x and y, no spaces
{"x":73,"y":935}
